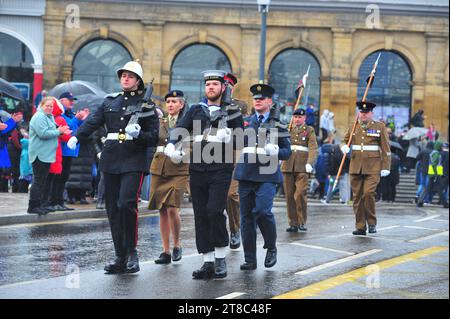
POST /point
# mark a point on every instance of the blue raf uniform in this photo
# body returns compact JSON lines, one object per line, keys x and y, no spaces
{"x":258,"y":175}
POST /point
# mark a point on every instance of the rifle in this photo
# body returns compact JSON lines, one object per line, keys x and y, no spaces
{"x":369,"y":84}
{"x":301,"y":86}
{"x":137,"y":111}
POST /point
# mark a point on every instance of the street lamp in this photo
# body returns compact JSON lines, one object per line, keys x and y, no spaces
{"x":263,"y":7}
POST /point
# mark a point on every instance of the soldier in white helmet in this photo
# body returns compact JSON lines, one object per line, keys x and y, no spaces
{"x":123,"y":160}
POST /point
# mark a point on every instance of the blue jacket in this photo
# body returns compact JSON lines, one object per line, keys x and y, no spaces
{"x":4,"y":156}
{"x":25,"y":167}
{"x":73,"y":124}
{"x":247,"y":169}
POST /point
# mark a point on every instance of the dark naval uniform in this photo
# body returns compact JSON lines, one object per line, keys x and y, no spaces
{"x":370,"y":154}
{"x":123,"y":162}
{"x":258,"y":183}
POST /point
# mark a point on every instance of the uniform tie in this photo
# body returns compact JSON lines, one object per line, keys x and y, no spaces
{"x":172,"y":121}
{"x":260,"y":119}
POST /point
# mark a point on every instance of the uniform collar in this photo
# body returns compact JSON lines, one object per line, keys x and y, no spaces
{"x":131,"y":93}
{"x":266,"y":116}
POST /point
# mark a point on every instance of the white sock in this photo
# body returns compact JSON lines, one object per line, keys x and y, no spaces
{"x":208,"y":257}
{"x":220,"y":252}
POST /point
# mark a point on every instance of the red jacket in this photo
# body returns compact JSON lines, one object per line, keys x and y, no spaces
{"x":58,"y":109}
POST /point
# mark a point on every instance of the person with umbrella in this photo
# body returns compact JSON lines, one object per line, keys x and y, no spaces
{"x":6,"y":126}
{"x":132,"y":126}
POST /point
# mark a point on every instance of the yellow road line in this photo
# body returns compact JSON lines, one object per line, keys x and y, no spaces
{"x":69,"y":221}
{"x":317,"y":288}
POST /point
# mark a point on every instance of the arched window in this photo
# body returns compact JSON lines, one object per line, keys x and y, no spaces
{"x":186,"y":73}
{"x":15,"y":62}
{"x":285,"y":72}
{"x":391,"y":89}
{"x":98,"y":61}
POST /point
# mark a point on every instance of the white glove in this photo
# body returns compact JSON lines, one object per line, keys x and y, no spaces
{"x":272,"y":149}
{"x":72,"y":143}
{"x":308,"y":168}
{"x":99,"y":154}
{"x":345,"y":149}
{"x":177,"y":156}
{"x":385,"y":172}
{"x":169,"y":150}
{"x":133,"y":130}
{"x":224,"y":134}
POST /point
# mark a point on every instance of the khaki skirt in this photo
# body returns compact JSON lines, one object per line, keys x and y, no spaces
{"x":167,"y":191}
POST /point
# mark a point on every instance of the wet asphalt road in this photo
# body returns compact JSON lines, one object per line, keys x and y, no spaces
{"x":66,"y":259}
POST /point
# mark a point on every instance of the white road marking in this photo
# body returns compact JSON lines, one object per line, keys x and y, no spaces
{"x":322,"y":248}
{"x":418,"y":240}
{"x":425,"y":228}
{"x":441,"y":220}
{"x":388,"y":227}
{"x":232,"y":295}
{"x":426,"y":218}
{"x":337,"y":262}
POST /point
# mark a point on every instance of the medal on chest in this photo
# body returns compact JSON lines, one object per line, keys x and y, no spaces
{"x":373,"y":133}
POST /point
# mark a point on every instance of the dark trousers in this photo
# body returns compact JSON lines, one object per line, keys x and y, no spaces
{"x":40,"y":173}
{"x":256,"y":210}
{"x":60,"y":181}
{"x":209,"y":192}
{"x":121,"y":195}
{"x":47,"y":192}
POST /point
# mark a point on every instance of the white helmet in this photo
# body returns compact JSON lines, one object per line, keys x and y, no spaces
{"x":136,"y":68}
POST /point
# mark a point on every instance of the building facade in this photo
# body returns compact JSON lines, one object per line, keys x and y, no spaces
{"x":22,"y":44}
{"x":338,"y":40}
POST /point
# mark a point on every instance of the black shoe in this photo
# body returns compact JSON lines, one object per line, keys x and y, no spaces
{"x":302,"y":228}
{"x":372,"y":229}
{"x":235,"y":240}
{"x":271,"y":258}
{"x":64,"y":207}
{"x":177,"y":253}
{"x":83,"y":201}
{"x":292,"y":229}
{"x":359,"y":232}
{"x":419,"y":204}
{"x":133,"y":262}
{"x":220,"y":268}
{"x":248,"y":266}
{"x":118,"y":266}
{"x":49,"y":209}
{"x":205,"y":272}
{"x":163,"y":259}
{"x":37,"y":211}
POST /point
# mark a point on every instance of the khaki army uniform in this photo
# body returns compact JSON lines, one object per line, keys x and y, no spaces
{"x":304,"y":151}
{"x":370,"y":153}
{"x":169,"y":180}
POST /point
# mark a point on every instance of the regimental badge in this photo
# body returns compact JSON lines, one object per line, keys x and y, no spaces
{"x":259,"y":88}
{"x":174,"y":94}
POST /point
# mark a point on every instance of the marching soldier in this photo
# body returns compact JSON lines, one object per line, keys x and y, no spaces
{"x":210,"y":171}
{"x":233,"y":195}
{"x":370,"y":158}
{"x":132,"y":127}
{"x":296,"y":169}
{"x":258,"y":172}
{"x":168,"y":182}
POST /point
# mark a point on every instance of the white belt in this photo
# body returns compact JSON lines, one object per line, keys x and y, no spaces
{"x":365,"y":148}
{"x":254,"y":150}
{"x":299,"y":148}
{"x":118,"y":136}
{"x":209,"y":138}
{"x":160,"y":149}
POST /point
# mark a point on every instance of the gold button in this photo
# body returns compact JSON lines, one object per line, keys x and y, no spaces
{"x":120,"y":141}
{"x":120,"y":130}
{"x":121,"y":118}
{"x":124,"y":108}
{"x":132,"y":93}
{"x":125,"y":98}
{"x":362,"y":137}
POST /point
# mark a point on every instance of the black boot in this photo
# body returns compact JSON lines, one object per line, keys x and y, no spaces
{"x":118,"y":266}
{"x":205,"y":272}
{"x":220,"y":268}
{"x":359,"y":232}
{"x":248,"y":266}
{"x":34,"y":207}
{"x":271,"y":258}
{"x":292,"y":229}
{"x":235,"y":240}
{"x":177,"y":253}
{"x":372,"y":229}
{"x":133,"y":262}
{"x":164,"y":259}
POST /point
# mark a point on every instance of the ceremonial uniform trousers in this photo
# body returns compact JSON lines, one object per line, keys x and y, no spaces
{"x":209,"y":181}
{"x":370,"y":153}
{"x":295,"y":178}
{"x":257,"y":190}
{"x":124,"y":162}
